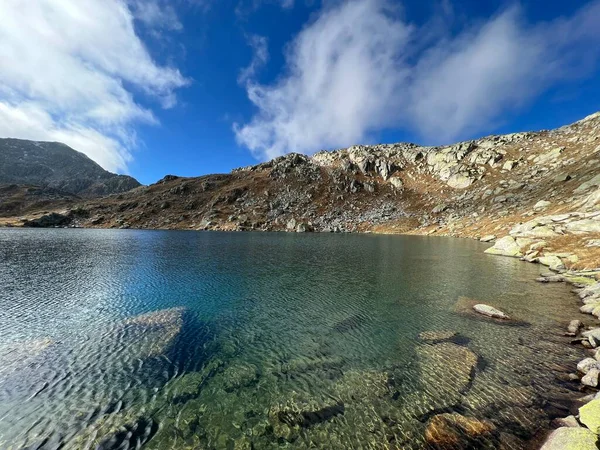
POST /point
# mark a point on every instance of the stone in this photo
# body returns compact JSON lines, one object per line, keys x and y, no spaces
{"x":490,"y":311}
{"x":583,"y":226}
{"x":509,"y":165}
{"x":506,"y":246}
{"x":397,"y":183}
{"x":594,"y":333}
{"x":569,"y":438}
{"x":569,"y":421}
{"x":436,"y":336}
{"x":589,"y":415}
{"x":553,"y":262}
{"x":460,"y":181}
{"x":439,"y":208}
{"x":574,"y":327}
{"x":585,"y":365}
{"x":591,"y":378}
{"x":594,"y":182}
{"x":455,"y":431}
{"x":542,"y":204}
{"x":488,"y":238}
{"x":549,"y":157}
{"x":291,"y":225}
{"x":562,"y":177}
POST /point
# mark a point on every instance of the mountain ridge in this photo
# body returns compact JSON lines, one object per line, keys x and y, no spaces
{"x":57,"y":166}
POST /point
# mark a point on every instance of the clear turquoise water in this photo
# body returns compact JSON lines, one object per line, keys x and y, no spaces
{"x":166,"y":339}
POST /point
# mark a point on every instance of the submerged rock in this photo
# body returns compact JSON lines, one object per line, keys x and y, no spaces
{"x":433,"y":337}
{"x":574,"y":327}
{"x":569,"y":438}
{"x":151,"y":334}
{"x":454,"y":431}
{"x":490,"y":311}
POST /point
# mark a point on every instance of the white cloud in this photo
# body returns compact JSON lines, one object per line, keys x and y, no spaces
{"x":359,"y":68}
{"x":76,"y":67}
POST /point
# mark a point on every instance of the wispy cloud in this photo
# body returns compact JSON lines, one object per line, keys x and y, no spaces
{"x":76,"y":69}
{"x":260,"y":56}
{"x":359,"y":68}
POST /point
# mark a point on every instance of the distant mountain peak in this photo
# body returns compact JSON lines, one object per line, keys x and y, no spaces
{"x":56,"y":165}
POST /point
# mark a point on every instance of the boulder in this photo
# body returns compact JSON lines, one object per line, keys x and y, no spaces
{"x":589,"y":415}
{"x":553,"y":262}
{"x":454,"y":431}
{"x":460,"y":181}
{"x":569,"y":438}
{"x":541,"y":205}
{"x":585,"y":365}
{"x":488,"y":238}
{"x":583,"y":226}
{"x":506,"y":246}
{"x":591,"y":378}
{"x":490,"y":311}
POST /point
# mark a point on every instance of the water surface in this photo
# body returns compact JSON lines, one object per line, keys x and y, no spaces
{"x":168,"y":339}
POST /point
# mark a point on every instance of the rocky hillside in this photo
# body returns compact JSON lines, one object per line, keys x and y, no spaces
{"x":57,"y":167}
{"x":480,"y":188}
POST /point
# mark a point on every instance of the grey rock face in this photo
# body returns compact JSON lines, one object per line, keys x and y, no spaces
{"x":57,"y":166}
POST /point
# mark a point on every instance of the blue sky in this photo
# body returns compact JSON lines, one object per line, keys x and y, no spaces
{"x":190,"y":87}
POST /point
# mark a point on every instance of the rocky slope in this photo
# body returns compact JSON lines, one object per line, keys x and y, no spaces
{"x":469,"y":189}
{"x":57,"y":167}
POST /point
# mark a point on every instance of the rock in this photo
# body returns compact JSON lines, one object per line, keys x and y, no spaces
{"x":488,"y":238}
{"x":585,"y":365}
{"x":506,"y":246}
{"x":454,"y":431}
{"x":583,"y":226}
{"x":589,"y":415}
{"x":553,"y":262}
{"x":591,"y":378}
{"x":397,"y":183}
{"x":490,"y":311}
{"x":460,"y":181}
{"x":509,"y":165}
{"x":569,"y":421}
{"x":151,"y":334}
{"x":594,"y":182}
{"x":49,"y":221}
{"x":442,"y":362}
{"x":569,"y":438}
{"x":549,"y":157}
{"x":592,"y":334}
{"x":439,"y":208}
{"x":291,"y":225}
{"x":562,"y":177}
{"x":433,"y":337}
{"x":542,"y":204}
{"x":574,"y":327}
{"x":238,"y":376}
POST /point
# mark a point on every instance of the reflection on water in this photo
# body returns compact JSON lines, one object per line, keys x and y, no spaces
{"x":121,"y":339}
